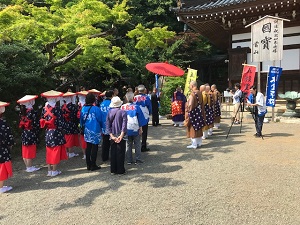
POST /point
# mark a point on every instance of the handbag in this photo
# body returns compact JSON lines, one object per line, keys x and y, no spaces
{"x":176,"y":106}
{"x":195,"y":116}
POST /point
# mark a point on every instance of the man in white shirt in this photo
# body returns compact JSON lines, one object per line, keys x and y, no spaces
{"x":259,"y":109}
{"x":237,"y":95}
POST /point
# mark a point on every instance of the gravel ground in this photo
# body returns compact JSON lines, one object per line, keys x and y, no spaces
{"x":239,"y":180}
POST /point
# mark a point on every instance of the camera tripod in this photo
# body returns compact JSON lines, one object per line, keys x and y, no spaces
{"x":240,"y":109}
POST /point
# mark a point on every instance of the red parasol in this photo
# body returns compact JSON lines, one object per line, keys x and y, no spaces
{"x":165,"y":69}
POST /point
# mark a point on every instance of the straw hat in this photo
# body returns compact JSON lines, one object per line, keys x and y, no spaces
{"x":3,"y":104}
{"x":115,"y":102}
{"x":103,"y":94}
{"x":82,"y":93}
{"x":52,"y":94}
{"x":69,"y":94}
{"x":95,"y":91}
{"x":27,"y":98}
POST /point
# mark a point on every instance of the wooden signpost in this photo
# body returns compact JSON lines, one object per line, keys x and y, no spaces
{"x":266,"y":43}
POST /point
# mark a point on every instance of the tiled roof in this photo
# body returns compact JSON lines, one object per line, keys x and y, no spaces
{"x":209,"y":4}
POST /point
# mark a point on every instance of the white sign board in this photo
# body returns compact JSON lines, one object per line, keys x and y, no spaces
{"x":267,"y":39}
{"x":227,"y":94}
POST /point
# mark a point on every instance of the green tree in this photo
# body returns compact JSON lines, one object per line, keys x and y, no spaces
{"x":99,"y":43}
{"x":21,"y":73}
{"x":81,"y":39}
{"x":21,"y":70}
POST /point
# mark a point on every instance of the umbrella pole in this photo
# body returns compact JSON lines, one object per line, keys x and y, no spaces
{"x":162,"y":82}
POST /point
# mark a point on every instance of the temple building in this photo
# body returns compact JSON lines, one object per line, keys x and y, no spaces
{"x":223,"y":23}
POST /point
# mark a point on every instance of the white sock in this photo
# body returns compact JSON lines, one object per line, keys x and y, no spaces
{"x":194,"y":141}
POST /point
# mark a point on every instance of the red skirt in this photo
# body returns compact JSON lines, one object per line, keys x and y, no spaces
{"x":71,"y":140}
{"x":29,"y":151}
{"x":5,"y":170}
{"x":55,"y":154}
{"x":82,"y":142}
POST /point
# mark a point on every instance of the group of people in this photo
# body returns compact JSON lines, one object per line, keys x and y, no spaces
{"x":84,"y":121}
{"x":200,"y":113}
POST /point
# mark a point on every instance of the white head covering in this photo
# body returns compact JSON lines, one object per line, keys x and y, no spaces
{"x":2,"y":109}
{"x":61,"y":101}
{"x":68,"y":99}
{"x":28,"y":104}
{"x":52,"y":101}
{"x":81,"y":99}
{"x":73,"y":99}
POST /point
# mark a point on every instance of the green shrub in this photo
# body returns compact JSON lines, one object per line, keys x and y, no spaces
{"x":169,"y":86}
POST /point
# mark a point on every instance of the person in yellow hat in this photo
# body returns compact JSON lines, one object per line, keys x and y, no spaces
{"x":7,"y":142}
{"x":52,"y":119}
{"x":30,"y":127}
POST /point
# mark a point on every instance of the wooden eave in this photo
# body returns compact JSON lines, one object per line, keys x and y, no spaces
{"x":217,"y":23}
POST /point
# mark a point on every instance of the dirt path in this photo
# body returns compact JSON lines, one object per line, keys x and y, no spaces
{"x":239,"y":180}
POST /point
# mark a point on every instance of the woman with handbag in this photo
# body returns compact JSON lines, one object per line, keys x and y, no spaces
{"x":178,"y":107}
{"x":91,"y":124}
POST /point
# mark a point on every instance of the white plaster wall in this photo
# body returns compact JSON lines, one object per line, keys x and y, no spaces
{"x":291,"y":40}
{"x":291,"y":30}
{"x":236,"y":37}
{"x":291,"y":59}
{"x":242,"y":44}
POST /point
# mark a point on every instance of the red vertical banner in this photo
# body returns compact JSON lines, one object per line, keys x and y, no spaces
{"x":247,"y":80}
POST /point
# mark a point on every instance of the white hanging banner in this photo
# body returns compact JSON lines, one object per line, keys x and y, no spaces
{"x":267,"y":39}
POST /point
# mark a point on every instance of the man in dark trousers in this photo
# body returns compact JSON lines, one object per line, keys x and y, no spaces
{"x":144,"y":102}
{"x":104,"y":108}
{"x":258,"y":103}
{"x":154,"y":103}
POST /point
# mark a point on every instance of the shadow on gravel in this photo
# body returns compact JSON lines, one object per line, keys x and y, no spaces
{"x":278,"y":135}
{"x":89,"y":197}
{"x":158,"y":182}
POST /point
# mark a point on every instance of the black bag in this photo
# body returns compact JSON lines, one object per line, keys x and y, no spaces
{"x":83,"y":124}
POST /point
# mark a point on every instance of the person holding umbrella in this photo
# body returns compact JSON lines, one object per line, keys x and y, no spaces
{"x":178,"y":107}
